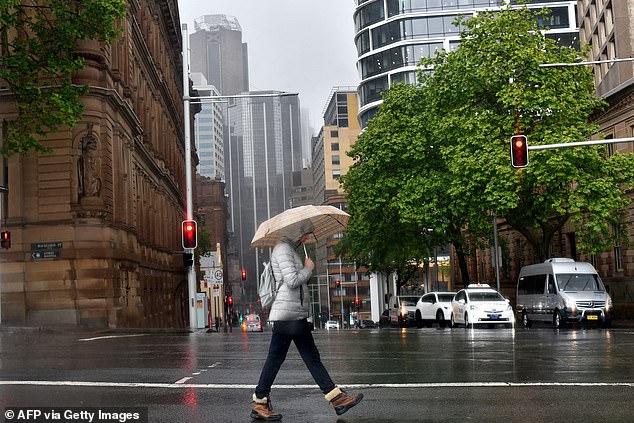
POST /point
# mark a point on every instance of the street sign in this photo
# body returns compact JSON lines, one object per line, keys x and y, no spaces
{"x":218,"y":274}
{"x":46,"y":245}
{"x":45,"y":254}
{"x":45,"y":250}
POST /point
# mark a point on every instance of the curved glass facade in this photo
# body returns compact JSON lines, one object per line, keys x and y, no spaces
{"x":393,"y":35}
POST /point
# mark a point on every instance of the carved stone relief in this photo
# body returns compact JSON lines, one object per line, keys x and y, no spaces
{"x":89,"y":167}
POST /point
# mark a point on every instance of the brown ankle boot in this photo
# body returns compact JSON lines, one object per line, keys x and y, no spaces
{"x":262,"y":410}
{"x":341,"y":401}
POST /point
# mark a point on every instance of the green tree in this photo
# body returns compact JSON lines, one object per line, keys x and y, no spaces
{"x":38,"y":55}
{"x":433,"y":165}
{"x":492,"y":87}
{"x":384,"y":232}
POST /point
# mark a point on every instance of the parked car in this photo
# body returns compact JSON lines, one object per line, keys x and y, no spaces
{"x":252,"y":323}
{"x":434,"y":307}
{"x":403,"y":310}
{"x":367,"y":324}
{"x":479,"y":304}
{"x":332,"y":324}
{"x":562,"y":290}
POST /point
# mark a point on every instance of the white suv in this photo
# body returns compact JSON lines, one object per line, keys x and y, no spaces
{"x":434,"y":307}
{"x":480,"y":304}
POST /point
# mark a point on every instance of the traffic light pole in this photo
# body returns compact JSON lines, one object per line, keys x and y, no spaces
{"x":580,"y":143}
{"x":189,"y":213}
{"x":3,"y":190}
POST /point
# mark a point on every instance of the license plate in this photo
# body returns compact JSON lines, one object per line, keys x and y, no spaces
{"x":593,"y":317}
{"x":494,"y":316}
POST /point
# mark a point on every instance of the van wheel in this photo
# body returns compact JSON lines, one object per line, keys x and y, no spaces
{"x":419,"y":320}
{"x":556,"y":319}
{"x":440,"y":318}
{"x":526,"y":322}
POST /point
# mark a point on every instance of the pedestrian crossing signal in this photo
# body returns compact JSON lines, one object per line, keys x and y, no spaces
{"x":5,"y":239}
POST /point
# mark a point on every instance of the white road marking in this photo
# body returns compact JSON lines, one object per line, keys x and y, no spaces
{"x":181,"y":384}
{"x":217,"y":363}
{"x":110,"y":337}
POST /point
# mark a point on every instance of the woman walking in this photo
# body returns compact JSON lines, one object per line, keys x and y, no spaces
{"x":289,"y":314}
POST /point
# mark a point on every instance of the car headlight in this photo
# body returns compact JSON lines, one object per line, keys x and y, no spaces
{"x":572,"y":306}
{"x":608,"y":304}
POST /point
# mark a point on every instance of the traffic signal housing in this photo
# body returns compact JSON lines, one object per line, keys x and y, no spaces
{"x":5,"y":239}
{"x":189,"y":234}
{"x":244,"y":274}
{"x":188,"y":259}
{"x":337,"y":283}
{"x":519,"y":151}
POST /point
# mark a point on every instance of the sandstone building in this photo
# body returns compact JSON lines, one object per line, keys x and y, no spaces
{"x":96,"y":223}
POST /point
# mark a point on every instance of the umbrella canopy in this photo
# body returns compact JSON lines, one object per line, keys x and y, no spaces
{"x":322,"y":221}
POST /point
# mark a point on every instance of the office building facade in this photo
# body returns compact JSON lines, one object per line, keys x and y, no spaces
{"x":607,"y":26}
{"x":208,"y":131}
{"x":217,"y":51}
{"x":263,"y":152}
{"x":393,"y":35}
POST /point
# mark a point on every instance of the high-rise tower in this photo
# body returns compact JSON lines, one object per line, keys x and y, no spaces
{"x":217,"y":51}
{"x":393,"y":35}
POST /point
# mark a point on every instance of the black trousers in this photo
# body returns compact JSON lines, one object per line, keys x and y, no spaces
{"x":283,"y":334}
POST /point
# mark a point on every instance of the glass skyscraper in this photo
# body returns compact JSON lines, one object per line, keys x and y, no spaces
{"x":393,"y":35}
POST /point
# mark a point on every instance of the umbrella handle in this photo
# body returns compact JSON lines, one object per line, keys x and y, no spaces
{"x":305,"y":252}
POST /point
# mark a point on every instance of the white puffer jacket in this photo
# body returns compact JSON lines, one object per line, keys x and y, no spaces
{"x":290,"y":274}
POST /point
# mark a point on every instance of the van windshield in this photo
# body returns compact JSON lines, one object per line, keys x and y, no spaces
{"x":579,"y":282}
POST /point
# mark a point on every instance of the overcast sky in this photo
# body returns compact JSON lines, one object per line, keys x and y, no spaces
{"x":304,"y":46}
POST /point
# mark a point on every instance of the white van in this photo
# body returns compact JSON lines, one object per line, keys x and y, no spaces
{"x":562,"y":290}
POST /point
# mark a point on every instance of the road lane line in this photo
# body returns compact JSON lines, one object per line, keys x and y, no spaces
{"x":181,"y":384}
{"x":110,"y":337}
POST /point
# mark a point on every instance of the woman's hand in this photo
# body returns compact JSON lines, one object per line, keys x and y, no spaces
{"x":308,"y":262}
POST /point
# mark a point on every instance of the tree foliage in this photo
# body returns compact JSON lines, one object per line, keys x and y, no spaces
{"x":435,"y":160}
{"x":492,"y":87}
{"x":38,"y":55}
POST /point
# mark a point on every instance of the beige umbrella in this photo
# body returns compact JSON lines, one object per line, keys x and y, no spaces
{"x":322,"y":221}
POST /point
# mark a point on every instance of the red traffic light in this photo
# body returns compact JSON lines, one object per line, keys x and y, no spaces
{"x":337,"y":283}
{"x":519,"y":151}
{"x":5,"y":239}
{"x":244,"y":274}
{"x":230,"y":300}
{"x":189,"y":233}
{"x":356,"y":301}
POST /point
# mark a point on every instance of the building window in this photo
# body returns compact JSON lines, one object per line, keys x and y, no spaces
{"x":335,"y":160}
{"x":618,"y":252}
{"x":335,"y":146}
{"x":610,"y":148}
{"x":334,"y":133}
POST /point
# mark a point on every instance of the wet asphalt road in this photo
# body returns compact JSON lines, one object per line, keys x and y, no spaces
{"x":411,"y":375}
